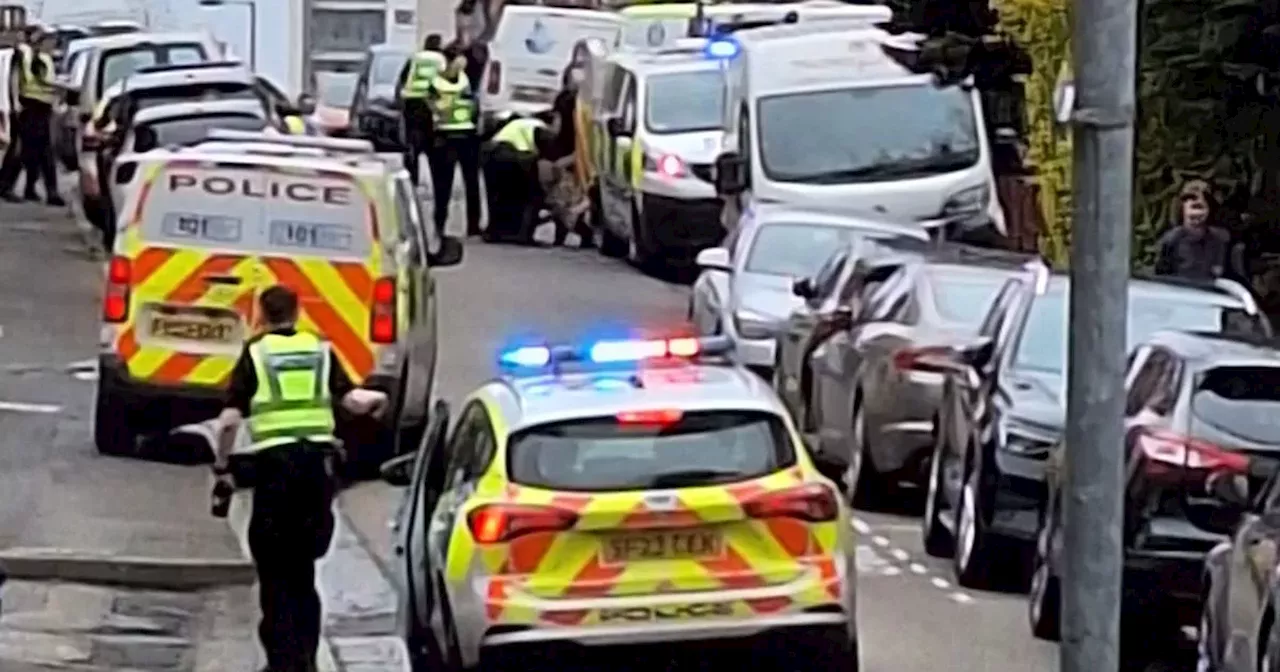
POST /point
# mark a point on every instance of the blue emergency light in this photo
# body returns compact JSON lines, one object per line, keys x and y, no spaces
{"x":722,"y":48}
{"x":615,"y":352}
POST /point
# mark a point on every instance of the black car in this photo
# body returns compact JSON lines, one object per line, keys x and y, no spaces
{"x":999,"y":419}
{"x":877,"y":384}
{"x":374,"y":112}
{"x":1202,"y":413}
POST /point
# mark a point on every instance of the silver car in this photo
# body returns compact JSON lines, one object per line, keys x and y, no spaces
{"x":745,"y":289}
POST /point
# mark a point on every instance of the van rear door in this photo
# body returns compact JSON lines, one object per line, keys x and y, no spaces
{"x":212,"y":237}
{"x":533,"y":47}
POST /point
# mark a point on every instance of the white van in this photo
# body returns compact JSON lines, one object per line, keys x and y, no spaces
{"x":529,"y":54}
{"x":656,"y":26}
{"x":820,"y":115}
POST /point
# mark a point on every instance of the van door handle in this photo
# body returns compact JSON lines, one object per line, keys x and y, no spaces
{"x":548,"y":72}
{"x":222,"y":279}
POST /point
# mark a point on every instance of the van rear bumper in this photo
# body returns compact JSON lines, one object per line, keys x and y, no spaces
{"x":157,"y":408}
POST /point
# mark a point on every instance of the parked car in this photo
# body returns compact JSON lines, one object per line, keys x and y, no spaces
{"x":745,"y":287}
{"x":374,"y":114}
{"x":1201,"y":434}
{"x":877,"y":384}
{"x":334,"y":94}
{"x":999,"y":419}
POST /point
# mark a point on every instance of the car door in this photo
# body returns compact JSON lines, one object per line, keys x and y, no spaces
{"x":411,"y":275}
{"x":709,"y":308}
{"x":471,"y":446}
{"x":1251,"y":568}
{"x":793,"y":345}
{"x":412,"y":522}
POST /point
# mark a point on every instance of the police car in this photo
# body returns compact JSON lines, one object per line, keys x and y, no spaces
{"x":617,"y":493}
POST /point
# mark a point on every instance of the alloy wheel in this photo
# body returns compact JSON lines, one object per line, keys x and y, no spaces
{"x":931,"y":489}
{"x":857,"y":456}
{"x":967,"y":527}
{"x":1039,"y":586}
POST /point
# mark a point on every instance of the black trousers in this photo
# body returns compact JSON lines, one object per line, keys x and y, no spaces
{"x":291,"y":528}
{"x":450,"y":152}
{"x":417,"y":135}
{"x":35,"y":124}
{"x":11,"y":166}
{"x":511,"y":187}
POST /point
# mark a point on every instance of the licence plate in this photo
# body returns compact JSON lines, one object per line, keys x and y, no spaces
{"x":662,"y":546}
{"x":194,"y":328}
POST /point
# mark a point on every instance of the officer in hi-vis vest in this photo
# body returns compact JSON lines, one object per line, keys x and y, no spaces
{"x":286,"y":387}
{"x":412,"y":86}
{"x":37,"y":95}
{"x":455,"y":146}
{"x":511,"y":178}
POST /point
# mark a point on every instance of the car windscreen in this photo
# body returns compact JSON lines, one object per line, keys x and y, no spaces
{"x":795,"y":250}
{"x":190,"y":130}
{"x":335,"y":89}
{"x":1240,"y":401}
{"x":963,"y":297}
{"x":685,"y":102}
{"x":1043,"y":346}
{"x":690,"y":449}
{"x":259,"y":209}
{"x":120,"y":63}
{"x":385,"y":69}
{"x":868,"y":134}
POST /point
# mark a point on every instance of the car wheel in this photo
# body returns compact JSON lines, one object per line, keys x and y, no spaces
{"x":1044,"y":601}
{"x":972,"y":553}
{"x":113,"y":433}
{"x":605,"y":241}
{"x":867,"y":485}
{"x":638,"y":252}
{"x":938,"y":541}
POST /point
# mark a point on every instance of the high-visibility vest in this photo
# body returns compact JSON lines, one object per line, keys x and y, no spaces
{"x":295,"y":125}
{"x":38,"y":88}
{"x":519,"y":134}
{"x":423,"y":68}
{"x":293,"y":401}
{"x":452,"y":109}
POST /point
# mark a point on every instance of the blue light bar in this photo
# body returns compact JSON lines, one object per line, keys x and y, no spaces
{"x":722,"y":48}
{"x":535,"y":356}
{"x":615,"y":352}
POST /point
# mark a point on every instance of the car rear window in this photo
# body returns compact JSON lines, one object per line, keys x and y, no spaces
{"x":257,"y":209}
{"x":120,"y":63}
{"x":963,"y":298}
{"x":607,"y":454}
{"x":1241,"y":401}
{"x":192,"y":93}
{"x":190,"y":130}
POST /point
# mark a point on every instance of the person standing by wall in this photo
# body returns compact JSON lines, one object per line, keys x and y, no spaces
{"x":456,"y":145}
{"x":1194,"y":248}
{"x":38,"y":95}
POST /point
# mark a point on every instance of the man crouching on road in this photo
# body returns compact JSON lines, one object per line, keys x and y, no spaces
{"x":284,"y":388}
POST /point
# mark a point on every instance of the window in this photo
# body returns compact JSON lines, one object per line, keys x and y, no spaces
{"x":346,"y":30}
{"x":795,"y":250}
{"x":869,"y":134}
{"x":616,"y":82}
{"x":386,"y":68}
{"x":120,"y":63}
{"x":685,"y":102}
{"x":994,"y":319}
{"x":186,"y":131}
{"x":335,"y":89}
{"x":472,"y":446}
{"x":604,"y":454}
{"x":1240,"y":402}
{"x":1146,"y":382}
{"x":828,"y":275}
{"x":961,"y":297}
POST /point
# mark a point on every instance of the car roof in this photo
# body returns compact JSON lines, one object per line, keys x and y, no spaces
{"x":1206,"y":350}
{"x":197,"y":73}
{"x":544,"y":399}
{"x":194,"y":109}
{"x":105,"y":42}
{"x":273,"y":156}
{"x":955,"y":254}
{"x":644,"y":64}
{"x":780,"y":213}
{"x":1218,"y":293}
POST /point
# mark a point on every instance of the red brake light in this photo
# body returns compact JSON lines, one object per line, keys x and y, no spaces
{"x":115,"y":300}
{"x":813,"y":503}
{"x":495,"y":77}
{"x":927,"y":359}
{"x":666,"y":416}
{"x":670,"y":165}
{"x":498,"y":523}
{"x":1165,"y":451}
{"x":382,"y":314}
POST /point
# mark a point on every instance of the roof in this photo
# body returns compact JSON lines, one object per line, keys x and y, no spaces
{"x":968,"y":255}
{"x":130,"y":39}
{"x":195,"y":109}
{"x":264,"y":154}
{"x":1215,"y":349}
{"x":807,"y":54}
{"x":537,"y":400}
{"x":645,"y":63}
{"x":775,"y":213}
{"x":1220,"y":293}
{"x":199,"y":73}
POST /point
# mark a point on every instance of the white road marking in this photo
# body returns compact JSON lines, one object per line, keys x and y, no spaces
{"x":900,"y":555}
{"x":861,"y":526}
{"x":917,"y":568}
{"x":890,"y":571}
{"x":940,"y":583}
{"x":880,"y":541}
{"x":962,"y":598}
{"x":21,"y":407}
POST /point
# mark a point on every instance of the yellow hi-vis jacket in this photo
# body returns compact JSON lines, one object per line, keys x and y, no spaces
{"x":37,"y":88}
{"x":292,"y":403}
{"x":519,"y":134}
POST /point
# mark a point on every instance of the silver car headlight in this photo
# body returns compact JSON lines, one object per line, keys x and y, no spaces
{"x":753,"y":325}
{"x":968,"y":202}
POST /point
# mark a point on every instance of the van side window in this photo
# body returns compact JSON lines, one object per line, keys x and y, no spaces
{"x":628,"y":113}
{"x":616,"y":80}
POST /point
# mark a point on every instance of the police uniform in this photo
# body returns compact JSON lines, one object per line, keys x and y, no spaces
{"x":421,"y":70}
{"x":38,"y":96}
{"x":296,"y":125}
{"x":510,"y":179}
{"x":455,"y":146}
{"x":286,"y":384}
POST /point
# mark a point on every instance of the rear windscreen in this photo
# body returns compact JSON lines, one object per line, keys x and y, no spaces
{"x":258,"y":210}
{"x":192,"y":93}
{"x":190,"y":130}
{"x":702,"y":448}
{"x":1240,"y":401}
{"x":120,"y":63}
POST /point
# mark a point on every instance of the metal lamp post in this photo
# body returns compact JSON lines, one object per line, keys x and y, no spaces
{"x":253,"y":24}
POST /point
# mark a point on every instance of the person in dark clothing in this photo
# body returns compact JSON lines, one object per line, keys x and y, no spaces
{"x":457,"y":144}
{"x":291,"y":424}
{"x":564,"y":193}
{"x":11,"y":165}
{"x":511,"y":178}
{"x":411,"y":88}
{"x":38,"y":96}
{"x":1194,"y":248}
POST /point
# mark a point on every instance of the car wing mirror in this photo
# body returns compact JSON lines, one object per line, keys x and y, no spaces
{"x":398,"y":471}
{"x":803,"y":288}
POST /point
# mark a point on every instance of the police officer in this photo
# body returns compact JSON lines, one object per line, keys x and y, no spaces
{"x":412,"y":86}
{"x":11,"y":166}
{"x":37,"y":96}
{"x":286,"y":387}
{"x":511,"y":178}
{"x":455,"y":146}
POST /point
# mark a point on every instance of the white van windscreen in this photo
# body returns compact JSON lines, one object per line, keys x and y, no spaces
{"x":686,"y":102}
{"x":870,"y":134}
{"x":258,"y":210}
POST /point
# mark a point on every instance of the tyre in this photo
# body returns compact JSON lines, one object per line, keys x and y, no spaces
{"x":1044,"y":600}
{"x":938,"y":541}
{"x":112,"y":430}
{"x":831,"y":651}
{"x":869,"y":485}
{"x":973,"y":557}
{"x":609,"y":244}
{"x":639,"y":252}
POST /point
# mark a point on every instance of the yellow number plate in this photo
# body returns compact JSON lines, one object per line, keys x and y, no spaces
{"x":662,"y":546}
{"x":193,"y":328}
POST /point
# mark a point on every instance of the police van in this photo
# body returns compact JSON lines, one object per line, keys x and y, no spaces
{"x":825,"y":116}
{"x":655,"y":26}
{"x":205,"y":229}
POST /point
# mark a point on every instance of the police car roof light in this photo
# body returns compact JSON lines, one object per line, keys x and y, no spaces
{"x":615,"y":352}
{"x":345,"y":145}
{"x":722,"y":48}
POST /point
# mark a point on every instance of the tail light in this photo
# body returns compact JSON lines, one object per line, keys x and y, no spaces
{"x":495,"y":77}
{"x":812,"y":503}
{"x":1171,"y":455}
{"x":499,"y":523}
{"x":931,"y":359}
{"x":382,"y":316}
{"x":667,"y":165}
{"x":115,"y":301}
{"x":661,"y":417}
